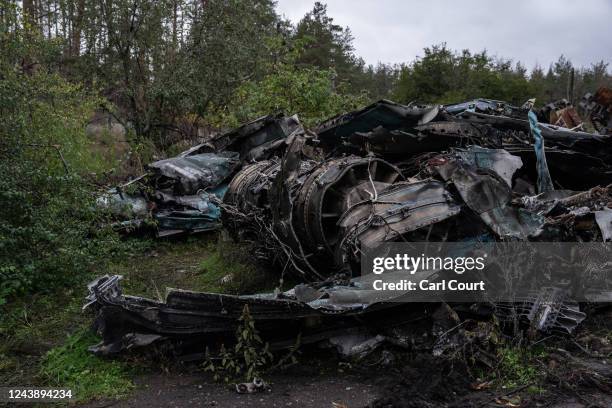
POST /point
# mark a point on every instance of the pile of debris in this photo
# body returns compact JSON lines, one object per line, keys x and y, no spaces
{"x":481,"y":170}
{"x":392,"y":172}
{"x":176,"y":195}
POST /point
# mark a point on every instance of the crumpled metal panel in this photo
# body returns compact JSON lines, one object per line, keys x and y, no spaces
{"x":187,"y":175}
{"x":604,"y":222}
{"x":384,"y":113}
{"x":178,"y":194}
{"x":598,"y":109}
{"x":191,"y":321}
{"x":194,"y":319}
{"x":488,"y":194}
{"x":256,"y":140}
{"x":430,"y":137}
{"x":189,"y":214}
{"x":487,"y":106}
{"x":500,"y":161}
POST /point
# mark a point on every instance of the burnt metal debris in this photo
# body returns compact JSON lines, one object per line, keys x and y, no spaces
{"x":308,"y":201}
{"x":176,"y":195}
{"x":597,"y":109}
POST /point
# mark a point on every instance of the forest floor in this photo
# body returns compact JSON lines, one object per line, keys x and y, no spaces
{"x":44,"y":340}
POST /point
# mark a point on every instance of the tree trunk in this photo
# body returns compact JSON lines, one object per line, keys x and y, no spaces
{"x":77,"y":29}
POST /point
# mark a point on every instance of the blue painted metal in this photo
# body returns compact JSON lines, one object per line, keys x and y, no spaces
{"x":544,"y":181}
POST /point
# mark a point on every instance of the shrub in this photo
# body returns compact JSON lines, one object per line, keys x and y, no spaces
{"x":48,"y":236}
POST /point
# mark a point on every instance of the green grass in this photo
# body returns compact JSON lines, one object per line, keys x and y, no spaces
{"x":30,"y":327}
{"x":229,"y":268}
{"x":166,"y":264}
{"x":199,"y":263}
{"x":43,"y":342}
{"x":518,"y":366}
{"x":72,"y":366}
{"x":214,"y":269}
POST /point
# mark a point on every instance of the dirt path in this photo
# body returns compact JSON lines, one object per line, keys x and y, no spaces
{"x":327,"y":391}
{"x":287,"y":391}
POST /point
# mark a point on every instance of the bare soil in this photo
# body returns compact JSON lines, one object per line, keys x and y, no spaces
{"x":574,"y":380}
{"x":287,"y":391}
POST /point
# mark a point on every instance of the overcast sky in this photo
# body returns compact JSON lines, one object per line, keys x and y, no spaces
{"x":532,"y":31}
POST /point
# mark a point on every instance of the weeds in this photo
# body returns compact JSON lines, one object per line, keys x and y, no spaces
{"x":73,"y":366}
{"x":247,"y":360}
{"x":227,"y":269}
{"x":517,"y":366}
{"x":30,"y":327}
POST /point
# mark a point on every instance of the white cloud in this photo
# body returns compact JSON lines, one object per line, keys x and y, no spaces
{"x":532,"y":31}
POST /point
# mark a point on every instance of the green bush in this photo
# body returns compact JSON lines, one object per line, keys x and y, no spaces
{"x":315,"y":94}
{"x":309,"y":92}
{"x":48,"y":233}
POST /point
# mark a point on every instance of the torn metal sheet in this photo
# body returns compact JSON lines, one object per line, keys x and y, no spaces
{"x":604,"y":222}
{"x":191,"y":321}
{"x":186,"y":222}
{"x":487,"y":106}
{"x":598,"y":109}
{"x":177,"y":195}
{"x":187,"y":175}
{"x":188,"y":214}
{"x":487,"y":193}
{"x":256,"y":140}
{"x":497,"y":160}
{"x":433,"y":136}
{"x":518,"y":130}
{"x":384,"y":113}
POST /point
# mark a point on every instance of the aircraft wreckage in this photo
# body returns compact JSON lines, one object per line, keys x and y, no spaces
{"x":308,"y":201}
